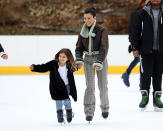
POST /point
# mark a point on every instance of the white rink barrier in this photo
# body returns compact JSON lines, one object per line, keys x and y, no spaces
{"x":24,"y":50}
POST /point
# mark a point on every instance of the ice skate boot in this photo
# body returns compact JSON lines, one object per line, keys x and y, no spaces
{"x":105,"y":114}
{"x":157,"y":103}
{"x":69,"y":115}
{"x":144,"y":100}
{"x":60,"y":116}
{"x":125,"y":77}
{"x":89,"y":118}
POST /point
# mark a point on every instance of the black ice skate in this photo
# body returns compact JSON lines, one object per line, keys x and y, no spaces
{"x":105,"y":114}
{"x":157,"y":103}
{"x":69,"y":115}
{"x":60,"y":116}
{"x":125,"y":77}
{"x":144,"y":100}
{"x":89,"y":118}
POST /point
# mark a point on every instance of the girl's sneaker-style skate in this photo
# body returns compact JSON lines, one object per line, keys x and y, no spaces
{"x":69,"y":115}
{"x":60,"y":116}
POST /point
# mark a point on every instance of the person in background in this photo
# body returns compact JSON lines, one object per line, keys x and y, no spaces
{"x":2,"y":53}
{"x":147,"y":41}
{"x":126,"y":75}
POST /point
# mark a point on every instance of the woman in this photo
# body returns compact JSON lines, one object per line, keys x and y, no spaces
{"x":93,"y":42}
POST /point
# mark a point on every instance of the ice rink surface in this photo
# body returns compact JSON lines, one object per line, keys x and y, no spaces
{"x":26,"y":105}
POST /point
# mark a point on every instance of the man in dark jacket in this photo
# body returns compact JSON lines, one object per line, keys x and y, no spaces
{"x":147,"y":42}
{"x":2,"y":54}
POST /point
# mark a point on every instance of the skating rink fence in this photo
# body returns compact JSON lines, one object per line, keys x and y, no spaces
{"x":24,"y":50}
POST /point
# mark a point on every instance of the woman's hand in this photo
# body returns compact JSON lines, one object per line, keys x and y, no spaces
{"x":79,"y":66}
{"x":31,"y":67}
{"x":5,"y":56}
{"x":97,"y":68}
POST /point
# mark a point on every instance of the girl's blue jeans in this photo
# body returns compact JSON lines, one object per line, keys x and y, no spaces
{"x":66,"y":102}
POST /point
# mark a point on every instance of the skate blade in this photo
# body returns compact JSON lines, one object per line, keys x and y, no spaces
{"x":143,"y":109}
{"x":73,"y":114}
{"x":158,"y":109}
{"x":89,"y":122}
{"x":62,"y":123}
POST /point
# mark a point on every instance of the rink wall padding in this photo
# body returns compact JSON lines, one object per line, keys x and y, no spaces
{"x":20,"y":70}
{"x":24,"y":50}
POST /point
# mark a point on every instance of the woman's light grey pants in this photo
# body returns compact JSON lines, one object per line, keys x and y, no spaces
{"x":89,"y":98}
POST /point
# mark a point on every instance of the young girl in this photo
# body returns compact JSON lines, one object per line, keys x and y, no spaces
{"x":62,"y":83}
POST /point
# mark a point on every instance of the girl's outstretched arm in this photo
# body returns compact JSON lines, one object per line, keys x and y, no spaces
{"x":41,"y":68}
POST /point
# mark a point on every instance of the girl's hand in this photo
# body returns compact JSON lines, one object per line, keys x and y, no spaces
{"x":5,"y":56}
{"x":97,"y":68}
{"x":79,"y":66}
{"x":31,"y":67}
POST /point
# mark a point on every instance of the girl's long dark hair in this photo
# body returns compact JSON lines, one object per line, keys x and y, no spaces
{"x":67,"y":52}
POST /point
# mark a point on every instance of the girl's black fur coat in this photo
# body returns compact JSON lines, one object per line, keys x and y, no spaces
{"x":58,"y":90}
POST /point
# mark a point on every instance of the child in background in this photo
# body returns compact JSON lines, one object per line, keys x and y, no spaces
{"x":62,"y":83}
{"x":126,"y":74}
